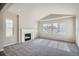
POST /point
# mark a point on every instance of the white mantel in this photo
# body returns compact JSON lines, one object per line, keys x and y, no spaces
{"x":24,"y":31}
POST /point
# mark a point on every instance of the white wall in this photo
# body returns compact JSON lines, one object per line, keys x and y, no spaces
{"x":1,"y":32}
{"x":67,"y":35}
{"x":77,"y":30}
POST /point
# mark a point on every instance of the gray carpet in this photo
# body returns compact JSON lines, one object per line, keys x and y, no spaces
{"x":2,"y":53}
{"x":42,"y":47}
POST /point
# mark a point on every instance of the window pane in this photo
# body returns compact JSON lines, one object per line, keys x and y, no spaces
{"x":9,"y":27}
{"x":61,"y":27}
{"x":55,"y":27}
{"x":46,"y":27}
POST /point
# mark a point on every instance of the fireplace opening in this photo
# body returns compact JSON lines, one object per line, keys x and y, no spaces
{"x":27,"y":36}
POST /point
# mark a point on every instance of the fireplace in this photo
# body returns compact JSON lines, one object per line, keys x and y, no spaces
{"x":27,"y":36}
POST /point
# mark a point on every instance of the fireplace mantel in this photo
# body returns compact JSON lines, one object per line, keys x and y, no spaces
{"x":25,"y":31}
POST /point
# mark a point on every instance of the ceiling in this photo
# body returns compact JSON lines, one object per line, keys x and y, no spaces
{"x":50,"y":16}
{"x":30,"y":6}
{"x":44,"y":11}
{"x":2,"y":5}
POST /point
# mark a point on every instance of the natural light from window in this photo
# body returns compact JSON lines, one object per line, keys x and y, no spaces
{"x":54,"y":27}
{"x":9,"y":28}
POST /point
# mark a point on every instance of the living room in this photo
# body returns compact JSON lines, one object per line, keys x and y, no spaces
{"x":39,"y":27}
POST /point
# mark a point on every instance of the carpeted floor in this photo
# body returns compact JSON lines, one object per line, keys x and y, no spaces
{"x":2,"y":53}
{"x":42,"y":47}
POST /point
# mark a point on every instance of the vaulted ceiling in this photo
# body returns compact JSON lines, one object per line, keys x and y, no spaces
{"x":56,"y":7}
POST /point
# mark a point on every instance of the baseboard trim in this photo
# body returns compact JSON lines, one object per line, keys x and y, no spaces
{"x":57,"y":40}
{"x":9,"y":44}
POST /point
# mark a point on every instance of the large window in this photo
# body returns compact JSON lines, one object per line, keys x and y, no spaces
{"x":46,"y":27}
{"x":9,"y":28}
{"x":54,"y":27}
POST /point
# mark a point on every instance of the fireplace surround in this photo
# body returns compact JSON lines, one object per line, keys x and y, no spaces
{"x":27,"y":34}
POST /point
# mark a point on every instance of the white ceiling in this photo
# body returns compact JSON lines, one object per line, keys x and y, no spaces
{"x":26,"y":8}
{"x":31,"y":6}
